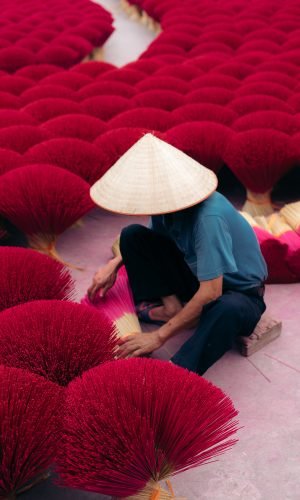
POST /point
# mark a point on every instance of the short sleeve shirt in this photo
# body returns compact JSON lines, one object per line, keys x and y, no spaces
{"x":216,"y":240}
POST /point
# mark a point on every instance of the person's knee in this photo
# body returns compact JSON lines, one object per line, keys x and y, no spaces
{"x":131,"y":234}
{"x":228,"y":307}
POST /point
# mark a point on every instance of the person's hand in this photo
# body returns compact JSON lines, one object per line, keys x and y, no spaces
{"x":138,"y":344}
{"x":103,"y":280}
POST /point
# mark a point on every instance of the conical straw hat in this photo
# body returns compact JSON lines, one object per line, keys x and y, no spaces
{"x":151,"y":178}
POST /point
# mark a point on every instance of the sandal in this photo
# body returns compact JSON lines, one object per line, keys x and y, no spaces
{"x":143,"y":309}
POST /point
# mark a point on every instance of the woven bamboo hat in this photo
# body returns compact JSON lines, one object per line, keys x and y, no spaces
{"x":152,"y":178}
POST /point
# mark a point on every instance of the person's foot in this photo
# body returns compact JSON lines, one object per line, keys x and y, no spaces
{"x":162,"y":313}
{"x":158,"y":312}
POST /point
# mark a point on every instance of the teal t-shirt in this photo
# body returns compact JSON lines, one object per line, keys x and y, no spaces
{"x":216,"y":240}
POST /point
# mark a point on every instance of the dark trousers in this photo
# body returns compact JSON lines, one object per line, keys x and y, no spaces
{"x":156,"y":268}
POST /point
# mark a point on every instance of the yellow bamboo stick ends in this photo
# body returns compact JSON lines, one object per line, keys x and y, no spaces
{"x":291,"y":213}
{"x":98,"y":54}
{"x":154,"y":491}
{"x":277,"y":223}
{"x":46,"y":243}
{"x":137,"y":14}
{"x":258,"y":204}
{"x":127,"y":324}
{"x":249,"y":218}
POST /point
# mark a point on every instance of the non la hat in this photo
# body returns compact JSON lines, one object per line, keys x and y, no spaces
{"x":153,"y":178}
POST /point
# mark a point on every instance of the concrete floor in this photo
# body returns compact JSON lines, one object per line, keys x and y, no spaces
{"x":265,"y":464}
{"x":129,"y":39}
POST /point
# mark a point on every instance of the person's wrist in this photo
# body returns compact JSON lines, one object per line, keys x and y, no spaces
{"x":112,"y":265}
{"x":160,"y":336}
{"x":115,"y":263}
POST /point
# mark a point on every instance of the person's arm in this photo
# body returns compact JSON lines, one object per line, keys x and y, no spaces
{"x":141,"y":344}
{"x":105,"y":277}
{"x":189,"y":315}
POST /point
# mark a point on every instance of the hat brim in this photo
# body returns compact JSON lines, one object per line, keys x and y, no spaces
{"x":153,"y":178}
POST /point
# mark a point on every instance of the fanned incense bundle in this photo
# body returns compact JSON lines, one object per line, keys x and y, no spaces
{"x":38,"y":72}
{"x":20,"y":138}
{"x":118,"y":305}
{"x":77,"y":156}
{"x":204,"y":111}
{"x":29,"y":429}
{"x":159,"y":98}
{"x":92,"y":68}
{"x":114,"y":143}
{"x":103,"y":108}
{"x":163,"y":82}
{"x":45,"y":91}
{"x":143,"y":117}
{"x":76,"y":126}
{"x":282,"y":255}
{"x":100,"y":87}
{"x":277,"y":225}
{"x":205,"y":142}
{"x":50,"y":107}
{"x":27,"y":275}
{"x":54,"y":339}
{"x":291,"y":213}
{"x":259,"y":158}
{"x":9,"y":160}
{"x":67,"y":79}
{"x":47,"y":200}
{"x":127,"y":426}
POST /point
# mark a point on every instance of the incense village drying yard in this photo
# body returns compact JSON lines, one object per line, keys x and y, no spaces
{"x":80,"y":83}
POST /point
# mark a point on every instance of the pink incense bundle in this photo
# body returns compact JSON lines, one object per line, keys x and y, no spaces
{"x":9,"y":160}
{"x":256,"y":102}
{"x":15,"y":84}
{"x":100,"y":87}
{"x":67,"y":79}
{"x":57,"y":340}
{"x":105,"y":108}
{"x":203,"y":141}
{"x":118,"y":305}
{"x":92,"y":68}
{"x":158,"y":98}
{"x":27,"y":275}
{"x":77,"y":126}
{"x":125,"y":75}
{"x":50,"y":107}
{"x":128,"y":426}
{"x":204,"y":112}
{"x":213,"y":95}
{"x":282,"y":255}
{"x":58,"y":55}
{"x":47,"y":200}
{"x":143,"y":117}
{"x":259,"y":158}
{"x":45,"y":91}
{"x":275,"y":120}
{"x":75,"y":155}
{"x":156,"y":82}
{"x":183,"y":71}
{"x":14,"y":57}
{"x":29,"y":429}
{"x":114,"y":143}
{"x":215,"y":79}
{"x":37,"y":72}
{"x":20,"y":138}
